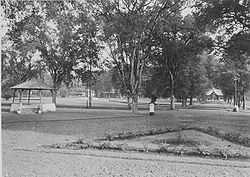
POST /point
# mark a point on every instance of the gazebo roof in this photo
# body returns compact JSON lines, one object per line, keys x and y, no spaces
{"x":33,"y":84}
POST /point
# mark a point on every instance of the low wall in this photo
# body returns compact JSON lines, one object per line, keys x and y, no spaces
{"x":48,"y":107}
{"x":32,"y":108}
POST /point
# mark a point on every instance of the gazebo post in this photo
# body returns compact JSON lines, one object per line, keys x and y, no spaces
{"x":20,"y":96}
{"x":40,"y":107}
{"x":29,"y":97}
{"x":51,"y":91}
{"x":40,"y":95}
{"x":14,"y":96}
{"x":20,"y":101}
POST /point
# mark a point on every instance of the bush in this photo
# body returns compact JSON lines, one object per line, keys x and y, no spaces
{"x":6,"y":96}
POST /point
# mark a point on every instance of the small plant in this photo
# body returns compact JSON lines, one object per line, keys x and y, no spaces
{"x":105,"y":145}
{"x":80,"y":141}
{"x":55,"y":146}
{"x":145,"y":148}
{"x":221,"y":152}
{"x":110,"y":137}
{"x":122,"y":146}
{"x":202,"y":150}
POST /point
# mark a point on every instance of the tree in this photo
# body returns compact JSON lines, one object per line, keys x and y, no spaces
{"x":156,"y":85}
{"x":231,"y":19}
{"x":192,"y":82}
{"x":197,"y":79}
{"x":19,"y":64}
{"x":61,"y":31}
{"x":75,"y":46}
{"x":237,"y":58}
{"x":225,"y":15}
{"x":121,"y":85}
{"x":128,"y":27}
{"x":104,"y":83}
{"x":177,"y":43}
{"x":17,"y":67}
{"x":16,"y":70}
{"x":224,"y":81}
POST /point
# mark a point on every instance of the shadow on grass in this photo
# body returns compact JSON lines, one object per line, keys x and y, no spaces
{"x":99,"y":107}
{"x":5,"y":109}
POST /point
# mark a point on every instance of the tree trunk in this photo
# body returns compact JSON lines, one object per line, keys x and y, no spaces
{"x":128,"y":102}
{"x":183,"y":102}
{"x":54,"y":92}
{"x":243,"y":100}
{"x":153,"y":98}
{"x":135,"y":104}
{"x":89,"y":98}
{"x":191,"y":101}
{"x":172,"y":105}
{"x":239,"y":103}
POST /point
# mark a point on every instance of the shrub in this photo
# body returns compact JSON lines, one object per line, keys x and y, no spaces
{"x":6,"y":96}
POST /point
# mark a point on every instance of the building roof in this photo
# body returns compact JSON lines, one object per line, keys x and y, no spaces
{"x":214,"y":90}
{"x":33,"y":84}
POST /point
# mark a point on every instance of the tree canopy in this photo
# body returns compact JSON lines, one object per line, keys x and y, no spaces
{"x":62,"y":32}
{"x":231,"y":20}
{"x":154,"y":49}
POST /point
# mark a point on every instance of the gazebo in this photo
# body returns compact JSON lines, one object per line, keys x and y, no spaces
{"x":214,"y":94}
{"x":28,"y":107}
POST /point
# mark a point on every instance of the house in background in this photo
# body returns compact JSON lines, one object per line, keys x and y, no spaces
{"x":214,"y":94}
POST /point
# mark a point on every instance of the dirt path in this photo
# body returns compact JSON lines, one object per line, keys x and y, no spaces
{"x":22,"y":157}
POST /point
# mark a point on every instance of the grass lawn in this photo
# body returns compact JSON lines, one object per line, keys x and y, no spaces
{"x":72,"y":118}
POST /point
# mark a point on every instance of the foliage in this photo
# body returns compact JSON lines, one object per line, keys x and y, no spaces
{"x":176,"y":61}
{"x":120,"y":84}
{"x":6,"y":96}
{"x":231,"y":20}
{"x":104,"y":83}
{"x":61,"y":32}
{"x":158,"y":83}
{"x":128,"y":27}
{"x":223,"y":14}
{"x":224,"y":80}
{"x":17,"y":69}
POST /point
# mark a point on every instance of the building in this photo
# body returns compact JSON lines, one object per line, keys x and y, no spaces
{"x":214,"y":94}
